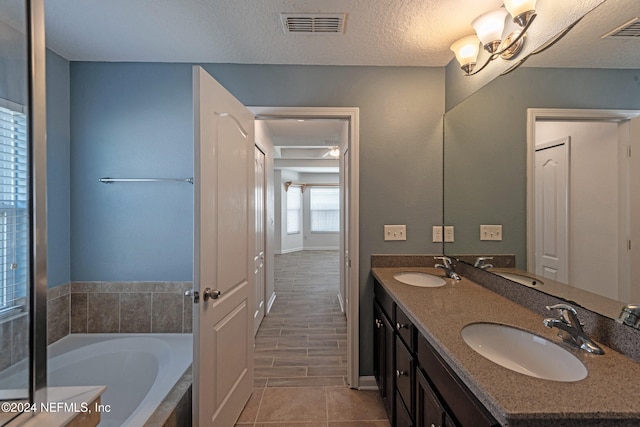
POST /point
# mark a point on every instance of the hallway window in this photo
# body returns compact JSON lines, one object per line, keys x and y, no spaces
{"x":294,"y":209}
{"x":14,"y":195}
{"x":325,"y":209}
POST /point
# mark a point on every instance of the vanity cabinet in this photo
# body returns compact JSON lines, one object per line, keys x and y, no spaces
{"x":416,"y":385}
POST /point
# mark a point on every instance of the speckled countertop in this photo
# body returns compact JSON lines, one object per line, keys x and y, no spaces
{"x":609,"y":396}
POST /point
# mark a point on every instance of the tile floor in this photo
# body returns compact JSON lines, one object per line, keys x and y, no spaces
{"x":301,"y":353}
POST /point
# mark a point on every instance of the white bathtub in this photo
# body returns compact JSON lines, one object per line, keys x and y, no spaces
{"x":138,"y":370}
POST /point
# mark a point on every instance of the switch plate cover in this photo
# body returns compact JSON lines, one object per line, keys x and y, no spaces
{"x":437,"y":234}
{"x":491,"y":232}
{"x":395,"y":232}
{"x":448,"y":233}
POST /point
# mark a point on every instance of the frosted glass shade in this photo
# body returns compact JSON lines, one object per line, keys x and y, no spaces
{"x":489,"y":26}
{"x":518,"y":7}
{"x":466,"y":50}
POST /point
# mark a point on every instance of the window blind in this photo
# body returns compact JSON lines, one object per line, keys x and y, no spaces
{"x":14,"y":220}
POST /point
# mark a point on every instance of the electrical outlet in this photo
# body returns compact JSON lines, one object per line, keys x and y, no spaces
{"x":448,"y":233}
{"x":395,"y":232}
{"x":437,"y":233}
{"x":491,"y":232}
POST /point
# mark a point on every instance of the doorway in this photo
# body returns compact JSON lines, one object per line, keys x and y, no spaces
{"x":348,"y":236}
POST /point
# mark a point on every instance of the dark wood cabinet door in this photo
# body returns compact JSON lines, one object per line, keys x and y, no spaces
{"x":383,"y":357}
{"x":429,"y":411}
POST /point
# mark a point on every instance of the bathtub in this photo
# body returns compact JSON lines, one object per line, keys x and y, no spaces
{"x":138,"y":370}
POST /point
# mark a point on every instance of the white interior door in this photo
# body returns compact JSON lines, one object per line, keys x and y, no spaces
{"x":259,"y":249}
{"x":223,"y":236}
{"x":345,"y":265}
{"x":633,"y":293}
{"x":551,"y":209}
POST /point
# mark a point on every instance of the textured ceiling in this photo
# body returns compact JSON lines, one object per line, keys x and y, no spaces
{"x":378,"y":32}
{"x":584,"y":47}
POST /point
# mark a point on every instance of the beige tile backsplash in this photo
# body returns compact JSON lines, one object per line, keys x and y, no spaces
{"x":118,"y":307}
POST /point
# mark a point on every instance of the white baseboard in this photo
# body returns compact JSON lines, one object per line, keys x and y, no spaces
{"x":341,"y":301}
{"x":288,"y":251}
{"x":368,"y":383}
{"x":321,"y":248}
{"x":272,"y":299}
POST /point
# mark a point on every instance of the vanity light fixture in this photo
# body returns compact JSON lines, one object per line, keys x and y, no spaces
{"x":489,"y":28}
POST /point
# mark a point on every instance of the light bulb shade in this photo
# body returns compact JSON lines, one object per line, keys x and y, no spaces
{"x":489,"y":26}
{"x":518,"y":7}
{"x":466,"y":50}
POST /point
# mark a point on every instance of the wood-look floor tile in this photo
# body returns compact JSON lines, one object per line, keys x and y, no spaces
{"x":293,"y":404}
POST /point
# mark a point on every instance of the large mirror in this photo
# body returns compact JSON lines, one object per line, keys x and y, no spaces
{"x":528,"y":152}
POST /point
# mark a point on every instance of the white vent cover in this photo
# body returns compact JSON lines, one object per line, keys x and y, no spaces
{"x":320,"y":23}
{"x":628,"y":30}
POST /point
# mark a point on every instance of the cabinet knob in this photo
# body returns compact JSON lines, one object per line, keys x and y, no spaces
{"x":400,"y":373}
{"x":379,"y":323}
{"x":401,"y":325}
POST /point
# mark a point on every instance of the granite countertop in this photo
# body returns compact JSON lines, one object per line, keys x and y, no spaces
{"x":610,"y":395}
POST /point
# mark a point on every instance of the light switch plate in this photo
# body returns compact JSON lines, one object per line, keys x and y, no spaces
{"x":395,"y":232}
{"x":448,"y":234}
{"x":437,"y":234}
{"x":491,"y":232}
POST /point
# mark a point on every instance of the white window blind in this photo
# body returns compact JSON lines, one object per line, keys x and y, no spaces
{"x":325,"y":209}
{"x":294,"y":206}
{"x":14,"y":219}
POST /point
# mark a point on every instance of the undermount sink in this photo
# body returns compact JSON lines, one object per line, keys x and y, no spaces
{"x":519,"y":278}
{"x":415,"y":278}
{"x":523,"y":352}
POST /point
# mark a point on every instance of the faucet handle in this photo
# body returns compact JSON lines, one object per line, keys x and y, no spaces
{"x":568,"y":314}
{"x":480,"y":262}
{"x":446,"y":261}
{"x":561,"y":308}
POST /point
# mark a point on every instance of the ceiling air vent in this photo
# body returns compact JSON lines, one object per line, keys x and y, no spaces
{"x":628,"y":30}
{"x":319,"y":23}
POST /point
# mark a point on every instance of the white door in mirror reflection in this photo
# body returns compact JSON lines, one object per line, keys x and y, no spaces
{"x":595,"y":184}
{"x":552,"y":202}
{"x":631,"y":292}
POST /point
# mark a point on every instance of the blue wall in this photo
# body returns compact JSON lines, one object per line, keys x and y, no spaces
{"x":131,"y":120}
{"x":58,"y":178}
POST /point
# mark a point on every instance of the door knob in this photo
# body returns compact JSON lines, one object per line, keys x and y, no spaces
{"x":211,"y":294}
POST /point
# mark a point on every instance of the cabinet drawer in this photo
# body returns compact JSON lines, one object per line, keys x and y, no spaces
{"x":405,"y":329}
{"x":404,"y":374}
{"x":461,"y":404}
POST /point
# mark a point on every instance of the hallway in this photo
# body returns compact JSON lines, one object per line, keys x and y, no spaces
{"x":301,"y":352}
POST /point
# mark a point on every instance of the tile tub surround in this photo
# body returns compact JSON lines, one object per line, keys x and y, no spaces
{"x":512,"y":398}
{"x":118,"y":307}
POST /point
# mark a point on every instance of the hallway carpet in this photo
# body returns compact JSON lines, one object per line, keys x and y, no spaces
{"x":301,"y":353}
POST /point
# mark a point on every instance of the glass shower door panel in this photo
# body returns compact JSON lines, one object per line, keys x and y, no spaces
{"x":14,"y":209}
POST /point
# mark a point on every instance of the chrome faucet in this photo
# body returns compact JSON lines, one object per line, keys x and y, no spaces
{"x":569,"y":323}
{"x":447,"y":267}
{"x":480,"y":262}
{"x":630,"y":315}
